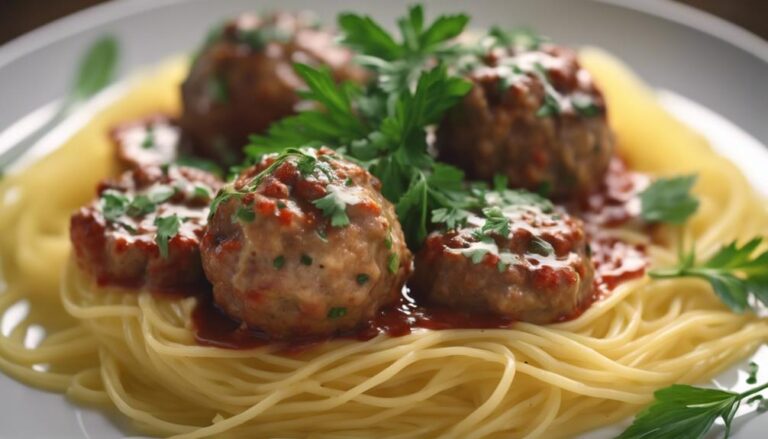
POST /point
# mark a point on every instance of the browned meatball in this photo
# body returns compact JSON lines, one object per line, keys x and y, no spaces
{"x":243,"y":80}
{"x":539,"y":272}
{"x":115,"y":238}
{"x":153,"y":141}
{"x":534,"y":116}
{"x":304,"y":244}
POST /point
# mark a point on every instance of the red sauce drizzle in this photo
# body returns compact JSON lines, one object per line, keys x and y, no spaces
{"x":614,"y":204}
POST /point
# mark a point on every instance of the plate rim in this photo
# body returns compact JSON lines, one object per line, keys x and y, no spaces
{"x":97,"y":15}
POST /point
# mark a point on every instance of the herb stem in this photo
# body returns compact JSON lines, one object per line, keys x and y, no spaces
{"x":753,"y":391}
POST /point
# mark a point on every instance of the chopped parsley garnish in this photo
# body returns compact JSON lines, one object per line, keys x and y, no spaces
{"x":245,"y":213}
{"x":218,"y":89}
{"x":585,"y":106}
{"x":305,"y":259}
{"x":334,"y":206}
{"x":540,"y":247}
{"x":668,"y":200}
{"x":149,"y":137}
{"x":337,"y":312}
{"x":736,"y":273}
{"x":160,"y":194}
{"x":551,"y":104}
{"x":388,"y":240}
{"x":451,"y":217}
{"x":278,"y":262}
{"x":140,"y":206}
{"x":393,"y":262}
{"x":362,"y":278}
{"x":167,"y":228}
{"x":201,"y":192}
{"x":752,"y":369}
{"x":477,"y":252}
{"x":686,"y":412}
{"x":115,"y":204}
{"x":495,"y":223}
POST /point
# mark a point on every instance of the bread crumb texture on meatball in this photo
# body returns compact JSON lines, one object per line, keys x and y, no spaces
{"x":533,"y":115}
{"x":144,"y":228}
{"x":527,"y":261}
{"x":304,"y":244}
{"x":243,"y":79}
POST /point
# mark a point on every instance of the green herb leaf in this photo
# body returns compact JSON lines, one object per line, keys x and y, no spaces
{"x":668,"y":200}
{"x":393,"y":263}
{"x":305,"y":259}
{"x":520,"y":39}
{"x":452,"y":217}
{"x":114,"y":204}
{"x":495,"y":223}
{"x":585,"y":106}
{"x":445,"y":28}
{"x":140,"y":205}
{"x":752,"y":373}
{"x":278,"y":262}
{"x":686,"y":412}
{"x":412,"y":210}
{"x":160,"y":194}
{"x":337,"y":312}
{"x":334,"y":207}
{"x":201,"y":192}
{"x":245,"y":213}
{"x":97,"y":68}
{"x":336,"y":124}
{"x":362,"y":278}
{"x":540,"y":247}
{"x":149,"y":138}
{"x":167,"y":228}
{"x":735,"y":273}
{"x":364,"y":35}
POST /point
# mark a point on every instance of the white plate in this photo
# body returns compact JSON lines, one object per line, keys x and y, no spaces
{"x":719,"y":68}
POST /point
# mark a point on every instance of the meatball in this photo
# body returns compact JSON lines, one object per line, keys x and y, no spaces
{"x":536,"y":270}
{"x":144,"y":229}
{"x":243,"y":80}
{"x":533,"y":115}
{"x":153,"y":141}
{"x":304,"y":245}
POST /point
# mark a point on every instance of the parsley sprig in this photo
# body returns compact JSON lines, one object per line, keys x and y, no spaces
{"x":398,"y":64}
{"x":167,"y":228}
{"x":334,"y":206}
{"x":384,"y":126}
{"x":687,"y":412}
{"x":736,"y":273}
{"x":669,"y":200}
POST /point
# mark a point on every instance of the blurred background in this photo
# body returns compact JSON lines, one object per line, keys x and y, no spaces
{"x":20,"y":16}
